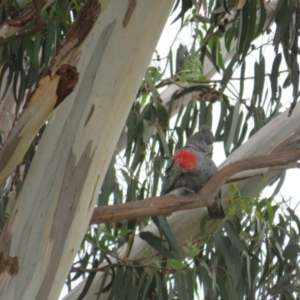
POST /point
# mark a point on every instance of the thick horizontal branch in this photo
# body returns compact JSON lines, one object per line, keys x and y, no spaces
{"x":167,"y":204}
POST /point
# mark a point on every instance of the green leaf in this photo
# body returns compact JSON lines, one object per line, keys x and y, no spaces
{"x":176,"y":264}
{"x":202,"y":115}
{"x":230,"y":288}
{"x":148,"y":131}
{"x":282,"y":281}
{"x":242,"y":81}
{"x":170,"y":58}
{"x":187,"y":115}
{"x":266,"y":266}
{"x":230,"y":255}
{"x":165,"y":229}
{"x":230,"y":35}
{"x":234,"y":237}
{"x":209,"y":113}
{"x":128,"y":283}
{"x":201,"y":19}
{"x":142,"y":281}
{"x":117,"y":283}
{"x":221,"y":121}
{"x":161,"y":286}
{"x":196,"y":88}
{"x":259,"y":74}
{"x":108,"y":184}
{"x":236,"y":136}
{"x":180,"y":286}
{"x":190,"y":249}
{"x":156,"y":243}
{"x":157,"y":166}
{"x":220,"y":9}
{"x":246,"y":29}
{"x":49,"y":43}
{"x":205,"y":276}
{"x":162,"y":116}
{"x":282,"y":19}
{"x":190,"y":283}
{"x":88,"y":282}
{"x":274,"y":75}
{"x":233,"y":126}
{"x":295,"y":82}
{"x":229,"y":71}
{"x":148,"y":288}
{"x":294,"y":217}
{"x":270,"y":211}
{"x":291,"y":252}
{"x":163,"y":141}
{"x":262,"y":18}
{"x":213,"y":57}
{"x":151,"y":85}
{"x":102,"y":288}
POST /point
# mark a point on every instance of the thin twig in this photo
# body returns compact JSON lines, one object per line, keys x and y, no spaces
{"x":21,"y":34}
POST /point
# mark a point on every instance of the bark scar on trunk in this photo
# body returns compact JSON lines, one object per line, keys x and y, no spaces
{"x":9,"y":264}
{"x":129,"y":11}
{"x":67,"y":82}
{"x":89,"y":115}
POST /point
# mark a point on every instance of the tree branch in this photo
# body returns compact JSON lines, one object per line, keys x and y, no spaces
{"x":167,"y":204}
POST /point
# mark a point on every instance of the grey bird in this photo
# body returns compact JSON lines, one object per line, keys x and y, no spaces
{"x":191,"y":167}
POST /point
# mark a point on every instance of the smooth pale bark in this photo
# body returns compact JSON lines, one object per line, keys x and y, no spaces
{"x":49,"y":220}
{"x":32,"y":119}
{"x":281,"y":134}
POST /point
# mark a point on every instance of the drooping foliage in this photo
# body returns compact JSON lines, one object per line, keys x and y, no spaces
{"x":254,"y":256}
{"x":252,"y":49}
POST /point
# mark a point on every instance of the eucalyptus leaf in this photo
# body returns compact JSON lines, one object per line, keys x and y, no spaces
{"x":156,"y":243}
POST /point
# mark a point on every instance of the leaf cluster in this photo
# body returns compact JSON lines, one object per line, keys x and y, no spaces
{"x":254,"y":256}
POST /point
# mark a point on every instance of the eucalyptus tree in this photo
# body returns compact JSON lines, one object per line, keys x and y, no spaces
{"x":84,"y":123}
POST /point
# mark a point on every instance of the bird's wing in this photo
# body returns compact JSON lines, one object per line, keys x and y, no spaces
{"x":172,"y":175}
{"x":212,"y":166}
{"x":216,"y":212}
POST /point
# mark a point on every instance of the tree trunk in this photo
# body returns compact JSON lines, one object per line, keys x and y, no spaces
{"x":41,"y":237}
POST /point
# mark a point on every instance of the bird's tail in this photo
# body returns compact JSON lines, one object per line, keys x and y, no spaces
{"x":217,"y":211}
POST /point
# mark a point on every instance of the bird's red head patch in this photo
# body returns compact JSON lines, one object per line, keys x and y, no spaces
{"x":185,"y":159}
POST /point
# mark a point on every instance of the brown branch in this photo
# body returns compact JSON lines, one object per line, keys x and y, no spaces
{"x":167,"y":204}
{"x":176,"y":80}
{"x":23,"y":16}
{"x":22,"y":33}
